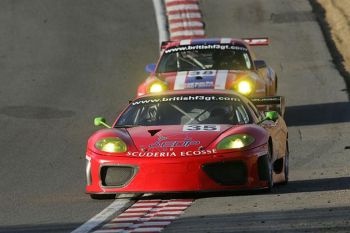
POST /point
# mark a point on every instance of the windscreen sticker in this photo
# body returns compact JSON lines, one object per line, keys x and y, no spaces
{"x":186,"y":98}
{"x":201,"y":47}
{"x":201,"y":128}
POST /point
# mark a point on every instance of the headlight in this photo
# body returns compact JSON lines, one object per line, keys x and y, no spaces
{"x":112,"y":145}
{"x":235,"y":141}
{"x":244,"y":87}
{"x":157,"y":87}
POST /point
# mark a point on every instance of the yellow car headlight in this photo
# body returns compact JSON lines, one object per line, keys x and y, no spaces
{"x":112,"y":145}
{"x":157,"y":87}
{"x":244,"y":87}
{"x":235,"y":141}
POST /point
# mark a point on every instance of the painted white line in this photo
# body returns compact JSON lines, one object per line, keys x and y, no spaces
{"x":161,"y":20}
{"x":109,"y":231}
{"x":130,"y":219}
{"x":188,"y":33}
{"x":154,"y":223}
{"x":138,"y":209}
{"x":131,"y":214}
{"x":116,"y":206}
{"x":184,"y":15}
{"x":148,"y":229}
{"x":168,"y":208}
{"x":145,"y":204}
{"x":169,"y":213}
{"x":182,"y":7}
{"x":176,"y":202}
{"x":186,"y":24}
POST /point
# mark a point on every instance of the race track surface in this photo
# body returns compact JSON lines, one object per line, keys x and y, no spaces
{"x":61,"y":64}
{"x":64,"y":62}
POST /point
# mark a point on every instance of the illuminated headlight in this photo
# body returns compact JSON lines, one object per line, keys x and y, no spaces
{"x":112,"y":145}
{"x":157,"y":87}
{"x":245,"y":87}
{"x":235,"y":141}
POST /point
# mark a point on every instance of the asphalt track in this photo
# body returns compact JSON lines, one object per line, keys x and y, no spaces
{"x":61,"y":64}
{"x":64,"y":62}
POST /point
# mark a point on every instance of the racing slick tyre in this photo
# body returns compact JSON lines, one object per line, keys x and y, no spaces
{"x":266,"y":170}
{"x":270,"y":173}
{"x":102,"y":196}
{"x":286,"y":166}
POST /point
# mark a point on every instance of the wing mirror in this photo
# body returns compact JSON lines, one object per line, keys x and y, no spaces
{"x":98,"y":121}
{"x":260,"y":64}
{"x":150,"y":68}
{"x":270,"y":116}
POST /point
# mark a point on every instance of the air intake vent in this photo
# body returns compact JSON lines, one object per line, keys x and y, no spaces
{"x":116,"y":176}
{"x":227,"y":173}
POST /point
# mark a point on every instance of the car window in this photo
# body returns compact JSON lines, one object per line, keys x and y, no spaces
{"x":204,"y":57}
{"x":255,"y":111}
{"x":186,"y":109}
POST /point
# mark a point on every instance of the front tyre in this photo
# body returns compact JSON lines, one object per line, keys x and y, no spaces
{"x":266,"y":170}
{"x":270,"y":173}
{"x":286,"y":165}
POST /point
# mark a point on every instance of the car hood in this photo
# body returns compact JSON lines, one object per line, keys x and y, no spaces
{"x":216,"y":79}
{"x":175,"y":137}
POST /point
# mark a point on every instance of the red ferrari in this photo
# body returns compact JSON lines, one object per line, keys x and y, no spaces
{"x":183,"y":141}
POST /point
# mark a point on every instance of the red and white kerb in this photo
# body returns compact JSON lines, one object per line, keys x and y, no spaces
{"x":184,"y":19}
{"x":147,"y":216}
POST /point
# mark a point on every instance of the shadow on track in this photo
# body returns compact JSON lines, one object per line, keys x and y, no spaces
{"x":316,"y":185}
{"x":317,"y":114}
{"x":286,"y":221}
{"x":299,"y":186}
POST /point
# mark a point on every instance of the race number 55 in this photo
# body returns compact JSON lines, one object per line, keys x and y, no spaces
{"x":201,"y":128}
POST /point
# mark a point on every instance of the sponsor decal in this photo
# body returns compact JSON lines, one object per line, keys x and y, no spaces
{"x":202,"y":73}
{"x":201,"y":128}
{"x":185,"y":98}
{"x":164,"y":142}
{"x":201,"y":47}
{"x":200,"y":79}
{"x":171,"y":154}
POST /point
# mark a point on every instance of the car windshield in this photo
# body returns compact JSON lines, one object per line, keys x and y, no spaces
{"x":185,"y":109}
{"x":204,"y":57}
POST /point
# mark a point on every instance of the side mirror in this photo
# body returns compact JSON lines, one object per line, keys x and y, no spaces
{"x":259,"y":64}
{"x":150,"y":68}
{"x":271,"y":115}
{"x":98,"y":121}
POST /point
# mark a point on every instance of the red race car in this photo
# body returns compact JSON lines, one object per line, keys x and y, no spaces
{"x":205,"y":63}
{"x":183,"y":141}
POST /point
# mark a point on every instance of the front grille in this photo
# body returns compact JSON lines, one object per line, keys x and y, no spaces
{"x":227,"y":172}
{"x":116,"y":175}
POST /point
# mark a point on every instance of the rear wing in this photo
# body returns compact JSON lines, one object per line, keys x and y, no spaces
{"x":262,"y":41}
{"x":270,"y":103}
{"x":164,"y":44}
